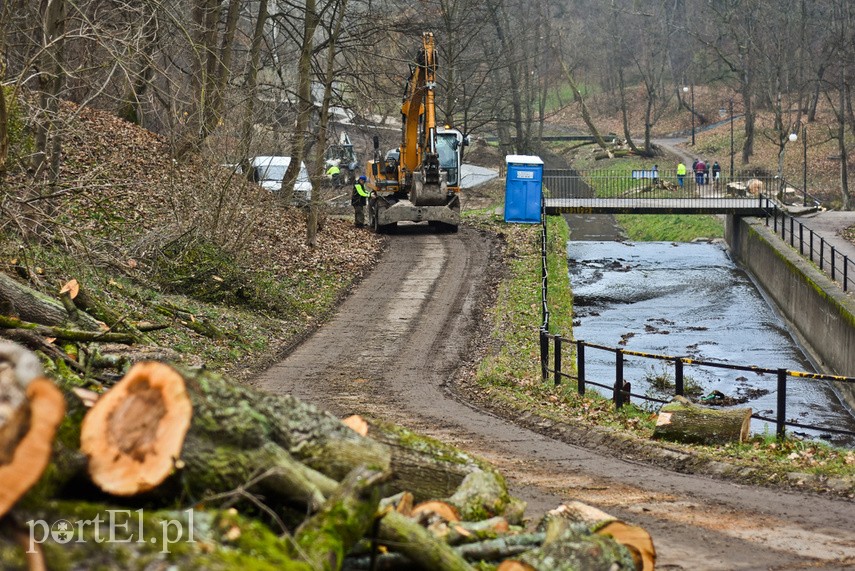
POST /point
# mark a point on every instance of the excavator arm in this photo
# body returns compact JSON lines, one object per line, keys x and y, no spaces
{"x":418,"y":115}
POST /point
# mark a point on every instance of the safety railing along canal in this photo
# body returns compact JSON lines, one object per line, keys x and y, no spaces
{"x":621,"y":390}
{"x":810,"y":245}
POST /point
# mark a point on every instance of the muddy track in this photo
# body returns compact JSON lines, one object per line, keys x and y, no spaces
{"x":401,"y":348}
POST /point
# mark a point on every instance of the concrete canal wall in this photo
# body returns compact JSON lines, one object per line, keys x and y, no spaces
{"x":815,"y":308}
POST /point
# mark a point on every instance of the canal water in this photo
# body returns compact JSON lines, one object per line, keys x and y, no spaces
{"x":691,"y":300}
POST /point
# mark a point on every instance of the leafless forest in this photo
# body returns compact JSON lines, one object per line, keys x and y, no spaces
{"x":251,"y":73}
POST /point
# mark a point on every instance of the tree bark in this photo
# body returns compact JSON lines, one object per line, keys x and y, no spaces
{"x":403,"y":535}
{"x":325,"y":538}
{"x":634,"y":538}
{"x":682,"y":421}
{"x":289,"y":449}
{"x":569,"y":547}
{"x":31,"y":305}
{"x":304,"y":101}
{"x":74,"y":335}
{"x":429,"y":469}
{"x":251,"y":83}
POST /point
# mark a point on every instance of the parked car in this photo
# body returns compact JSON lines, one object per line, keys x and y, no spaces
{"x":268,"y":171}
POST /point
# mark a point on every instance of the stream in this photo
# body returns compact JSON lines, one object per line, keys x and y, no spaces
{"x":691,"y":300}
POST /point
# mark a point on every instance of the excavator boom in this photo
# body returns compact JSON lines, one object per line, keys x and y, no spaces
{"x":419,"y":180}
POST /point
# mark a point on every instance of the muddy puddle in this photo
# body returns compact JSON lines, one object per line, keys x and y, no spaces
{"x":691,"y":300}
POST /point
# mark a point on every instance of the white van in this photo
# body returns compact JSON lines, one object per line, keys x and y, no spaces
{"x":269,"y":171}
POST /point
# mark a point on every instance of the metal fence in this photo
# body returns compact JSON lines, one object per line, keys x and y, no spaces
{"x":647,"y":190}
{"x":839,"y":267}
{"x":621,"y":389}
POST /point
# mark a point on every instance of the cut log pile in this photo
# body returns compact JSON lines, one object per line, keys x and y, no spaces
{"x":187,"y":469}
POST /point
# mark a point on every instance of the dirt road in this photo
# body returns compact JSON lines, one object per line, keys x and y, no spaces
{"x":400,"y":348}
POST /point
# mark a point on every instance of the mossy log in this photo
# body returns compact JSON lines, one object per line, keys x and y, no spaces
{"x":430,"y":469}
{"x":28,"y":304}
{"x":324,"y":539}
{"x":476,"y":531}
{"x":84,"y":299}
{"x":209,"y":540}
{"x":66,"y":334}
{"x":634,"y":538}
{"x":683,"y":421}
{"x":500,"y":548}
{"x":241,"y":439}
{"x":492,"y":550}
{"x":484,"y":494}
{"x":425,"y":467}
{"x":405,"y":536}
{"x":572,"y":546}
{"x":134,"y":433}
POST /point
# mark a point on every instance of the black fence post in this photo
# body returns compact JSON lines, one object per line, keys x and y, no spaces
{"x":678,"y":376}
{"x":580,"y":366}
{"x":833,"y":256}
{"x":618,"y":391}
{"x":544,"y":354}
{"x":792,"y":231}
{"x":811,"y":245}
{"x":557,"y":361}
{"x":782,"y":403}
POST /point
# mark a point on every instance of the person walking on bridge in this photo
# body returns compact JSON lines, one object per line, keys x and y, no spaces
{"x":700,"y":167}
{"x":681,"y":173}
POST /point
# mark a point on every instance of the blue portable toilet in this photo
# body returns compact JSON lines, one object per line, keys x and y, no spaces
{"x":523,"y":189}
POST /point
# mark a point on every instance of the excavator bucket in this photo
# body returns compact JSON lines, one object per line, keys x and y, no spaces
{"x":425,"y":193}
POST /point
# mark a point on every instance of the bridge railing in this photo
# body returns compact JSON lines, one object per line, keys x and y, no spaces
{"x":660,"y":186}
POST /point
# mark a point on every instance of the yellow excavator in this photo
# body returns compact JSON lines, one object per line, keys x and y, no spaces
{"x":420,"y":180}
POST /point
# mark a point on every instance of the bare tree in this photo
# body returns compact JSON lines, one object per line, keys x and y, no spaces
{"x":336,"y":9}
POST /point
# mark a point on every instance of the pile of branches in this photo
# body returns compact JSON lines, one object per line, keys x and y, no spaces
{"x":179,"y":466}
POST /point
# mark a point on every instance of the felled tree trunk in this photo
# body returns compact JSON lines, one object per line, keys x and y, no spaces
{"x":31,"y":408}
{"x":134,"y":434}
{"x":404,"y":535}
{"x":422,"y":466}
{"x":238,"y":438}
{"x":634,"y":538}
{"x":571,"y":546}
{"x":683,"y":421}
{"x":24,"y":302}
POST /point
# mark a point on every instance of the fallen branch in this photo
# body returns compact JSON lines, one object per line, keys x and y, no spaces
{"x":325,"y":538}
{"x":76,"y":335}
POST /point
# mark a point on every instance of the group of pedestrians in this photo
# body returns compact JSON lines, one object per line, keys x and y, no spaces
{"x":702,"y":170}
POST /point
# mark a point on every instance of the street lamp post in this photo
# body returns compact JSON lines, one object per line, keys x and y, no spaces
{"x":804,"y":166}
{"x":686,"y":90}
{"x":731,"y":138}
{"x":792,"y":138}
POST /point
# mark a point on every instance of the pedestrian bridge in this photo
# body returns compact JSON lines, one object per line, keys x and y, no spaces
{"x":568,"y":191}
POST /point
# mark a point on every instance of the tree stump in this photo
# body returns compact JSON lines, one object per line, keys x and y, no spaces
{"x":682,"y":421}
